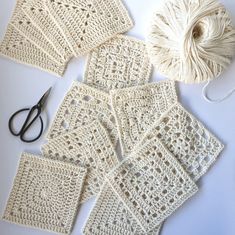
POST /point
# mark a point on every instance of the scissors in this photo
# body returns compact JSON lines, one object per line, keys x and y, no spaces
{"x":33,"y":114}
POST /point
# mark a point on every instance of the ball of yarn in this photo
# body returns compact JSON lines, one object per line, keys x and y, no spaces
{"x":191,"y":40}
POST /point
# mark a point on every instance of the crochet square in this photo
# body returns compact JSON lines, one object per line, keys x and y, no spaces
{"x":187,"y":139}
{"x":81,"y":106}
{"x":137,"y":108}
{"x":115,"y":219}
{"x":40,"y":17}
{"x":88,"y":146}
{"x":87,"y":24}
{"x":152,"y":184}
{"x":121,"y":62}
{"x":24,"y":25}
{"x":16,"y":47}
{"x":45,"y":194}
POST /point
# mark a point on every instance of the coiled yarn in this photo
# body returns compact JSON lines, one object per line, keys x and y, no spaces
{"x":191,"y":40}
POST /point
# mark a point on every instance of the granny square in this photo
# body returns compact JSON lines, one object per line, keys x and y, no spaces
{"x":45,"y":194}
{"x":121,"y":62}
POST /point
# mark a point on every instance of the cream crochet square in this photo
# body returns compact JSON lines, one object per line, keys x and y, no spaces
{"x":152,"y":184}
{"x":16,"y":47}
{"x":116,"y":218}
{"x":187,"y":139}
{"x":121,"y":62}
{"x":27,"y":29}
{"x":87,"y":24}
{"x":137,"y":108}
{"x":82,"y":105}
{"x":40,"y":17}
{"x":45,"y":194}
{"x":88,"y":146}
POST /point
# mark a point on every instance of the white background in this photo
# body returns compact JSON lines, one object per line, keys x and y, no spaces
{"x":210,"y":212}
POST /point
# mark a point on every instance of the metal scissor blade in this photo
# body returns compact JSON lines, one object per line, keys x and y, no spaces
{"x":43,"y":99}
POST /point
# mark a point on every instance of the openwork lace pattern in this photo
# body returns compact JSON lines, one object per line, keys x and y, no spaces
{"x":18,"y":48}
{"x":24,"y":25}
{"x":45,"y":194}
{"x":86,"y":24}
{"x":39,"y":15}
{"x":88,"y":146}
{"x":121,"y":62}
{"x":82,"y":105}
{"x":152,"y":184}
{"x":137,"y":108}
{"x":187,"y":139}
{"x":116,"y":218}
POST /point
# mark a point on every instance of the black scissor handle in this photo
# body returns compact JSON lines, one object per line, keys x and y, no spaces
{"x":27,"y":124}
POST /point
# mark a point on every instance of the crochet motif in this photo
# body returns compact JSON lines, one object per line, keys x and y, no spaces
{"x":81,"y":106}
{"x":89,"y":147}
{"x":45,"y":194}
{"x":152,"y":184}
{"x":37,"y":12}
{"x":137,"y":108}
{"x":88,"y":23}
{"x":18,"y":48}
{"x":24,"y":25}
{"x":119,"y":63}
{"x":115,"y":219}
{"x":187,"y":139}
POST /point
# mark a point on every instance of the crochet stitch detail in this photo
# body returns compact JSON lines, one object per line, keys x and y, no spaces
{"x":121,"y":62}
{"x":88,"y":146}
{"x":45,"y":194}
{"x":152,"y":184}
{"x":137,"y":108}
{"x":39,"y":15}
{"x":86,"y":24}
{"x":16,"y":47}
{"x":187,"y":139}
{"x":82,"y":105}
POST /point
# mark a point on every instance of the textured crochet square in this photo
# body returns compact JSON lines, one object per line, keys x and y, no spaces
{"x":24,"y":25}
{"x":137,"y":108}
{"x":88,"y":146}
{"x":16,"y":47}
{"x":45,"y":194}
{"x":116,"y":218}
{"x":82,"y":105}
{"x":152,"y":184}
{"x":187,"y":139}
{"x":39,"y":15}
{"x":87,"y":24}
{"x":121,"y":62}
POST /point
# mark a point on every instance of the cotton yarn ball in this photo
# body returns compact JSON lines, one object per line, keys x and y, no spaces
{"x":191,"y":40}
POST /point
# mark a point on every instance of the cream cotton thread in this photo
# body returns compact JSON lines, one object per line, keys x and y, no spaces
{"x":191,"y":41}
{"x":88,"y":146}
{"x":120,"y":62}
{"x":47,"y":208}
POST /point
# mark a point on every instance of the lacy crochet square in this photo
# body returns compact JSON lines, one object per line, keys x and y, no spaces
{"x":88,"y":23}
{"x":116,"y":218}
{"x":187,"y":139}
{"x":16,"y":47}
{"x":26,"y":28}
{"x":39,"y":15}
{"x":45,"y":194}
{"x":81,"y":106}
{"x":137,"y":108}
{"x":90,"y":147}
{"x":152,"y":184}
{"x":121,"y":62}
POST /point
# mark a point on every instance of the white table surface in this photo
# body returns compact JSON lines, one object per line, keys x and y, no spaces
{"x":210,"y":212}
